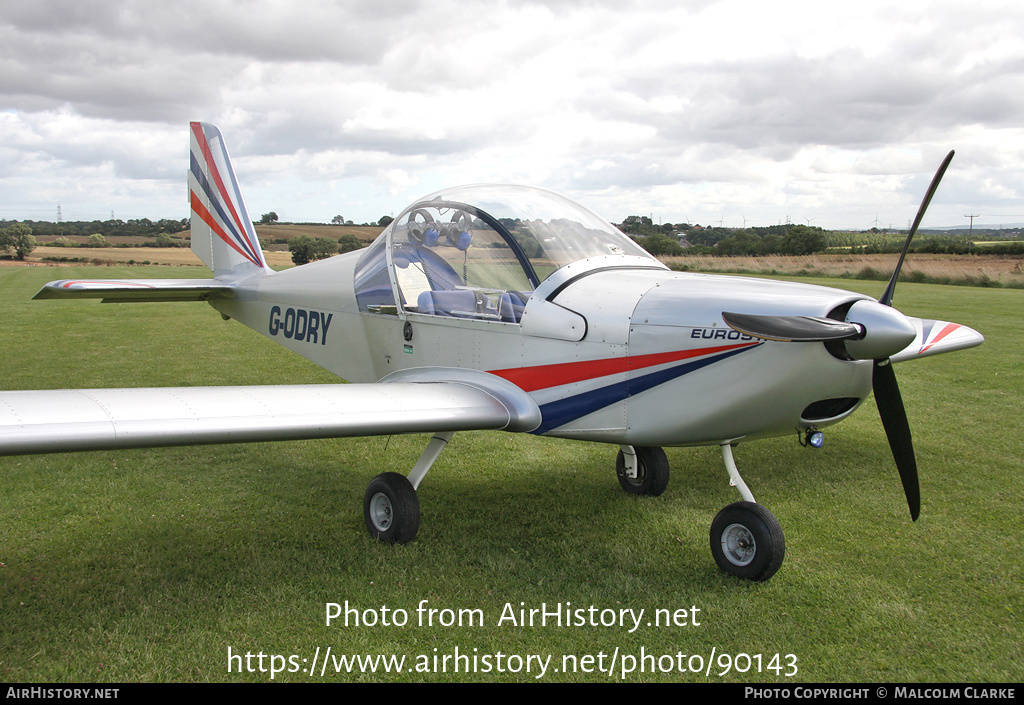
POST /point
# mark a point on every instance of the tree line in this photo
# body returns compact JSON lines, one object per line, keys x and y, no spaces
{"x":305,"y":248}
{"x":786,"y":239}
{"x":790,"y":239}
{"x":140,"y":227}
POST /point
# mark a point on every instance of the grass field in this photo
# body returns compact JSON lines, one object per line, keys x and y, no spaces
{"x":150,"y":565}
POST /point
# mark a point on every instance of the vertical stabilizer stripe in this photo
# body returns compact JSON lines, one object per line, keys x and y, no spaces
{"x":211,"y":164}
{"x":199,"y":209}
{"x":224,"y":221}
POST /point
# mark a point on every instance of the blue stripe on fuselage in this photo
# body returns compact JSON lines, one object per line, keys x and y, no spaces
{"x":558,"y":413}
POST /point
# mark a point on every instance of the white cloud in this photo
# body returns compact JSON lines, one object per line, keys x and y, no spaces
{"x":691,"y":110}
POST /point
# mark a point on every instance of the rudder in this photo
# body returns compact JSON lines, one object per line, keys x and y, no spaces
{"x":223,"y":236}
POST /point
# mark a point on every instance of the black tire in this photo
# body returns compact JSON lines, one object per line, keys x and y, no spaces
{"x":651,"y":472}
{"x":391,"y":509}
{"x":747,"y":541}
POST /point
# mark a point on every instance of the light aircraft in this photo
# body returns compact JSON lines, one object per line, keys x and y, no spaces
{"x":505,"y":307}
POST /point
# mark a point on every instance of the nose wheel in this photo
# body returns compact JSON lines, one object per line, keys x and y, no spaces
{"x":747,"y":541}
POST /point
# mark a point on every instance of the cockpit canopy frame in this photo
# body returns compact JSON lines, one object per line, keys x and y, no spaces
{"x":481,"y":251}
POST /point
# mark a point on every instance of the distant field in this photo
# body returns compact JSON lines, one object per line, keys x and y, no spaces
{"x":108,"y":256}
{"x":1004,"y":271}
{"x":288,"y":230}
{"x":150,"y":565}
{"x":265,"y":232}
{"x":1007,"y":271}
{"x":276,"y":253}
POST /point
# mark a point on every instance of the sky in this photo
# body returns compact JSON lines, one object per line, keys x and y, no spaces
{"x":731,"y":112}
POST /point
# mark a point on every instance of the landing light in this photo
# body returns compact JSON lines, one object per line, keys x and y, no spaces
{"x":812,"y":438}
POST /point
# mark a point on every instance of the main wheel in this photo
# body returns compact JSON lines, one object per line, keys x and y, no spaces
{"x":651,"y":472}
{"x":747,"y":541}
{"x":391,"y":508}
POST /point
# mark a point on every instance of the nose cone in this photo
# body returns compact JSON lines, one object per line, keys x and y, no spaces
{"x":886,"y":331}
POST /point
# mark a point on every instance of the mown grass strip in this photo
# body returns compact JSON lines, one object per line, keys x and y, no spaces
{"x":149,"y":565}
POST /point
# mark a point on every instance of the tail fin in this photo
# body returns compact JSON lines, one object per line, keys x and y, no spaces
{"x":222,"y":232}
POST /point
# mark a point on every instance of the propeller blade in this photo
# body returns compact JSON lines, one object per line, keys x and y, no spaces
{"x":797,"y":329}
{"x":897,"y":429}
{"x":887,"y":294}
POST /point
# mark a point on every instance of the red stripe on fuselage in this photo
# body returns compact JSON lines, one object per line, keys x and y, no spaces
{"x":530,"y":379}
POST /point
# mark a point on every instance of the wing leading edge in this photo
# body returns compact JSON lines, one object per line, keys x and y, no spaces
{"x":51,"y":421}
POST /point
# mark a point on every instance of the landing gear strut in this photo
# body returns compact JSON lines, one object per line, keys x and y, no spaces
{"x":391,"y":508}
{"x":746,"y":539}
{"x":642,"y":470}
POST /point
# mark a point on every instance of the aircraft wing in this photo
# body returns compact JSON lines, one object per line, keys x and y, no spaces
{"x":61,"y":420}
{"x":122,"y":290}
{"x":936,"y":337}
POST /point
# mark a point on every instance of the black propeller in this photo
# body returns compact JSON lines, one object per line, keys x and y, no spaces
{"x":886,"y":297}
{"x":802,"y":329}
{"x":883,"y":380}
{"x":897,"y":430}
{"x":792,"y":329}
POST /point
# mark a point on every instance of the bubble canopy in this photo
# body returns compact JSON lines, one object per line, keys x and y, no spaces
{"x":497,"y":242}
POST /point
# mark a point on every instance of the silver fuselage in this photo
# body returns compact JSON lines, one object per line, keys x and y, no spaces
{"x":633,"y":355}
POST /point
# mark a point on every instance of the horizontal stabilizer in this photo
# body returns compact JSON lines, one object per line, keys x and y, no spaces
{"x":937,"y":337}
{"x":52,"y":421}
{"x":117,"y":290}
